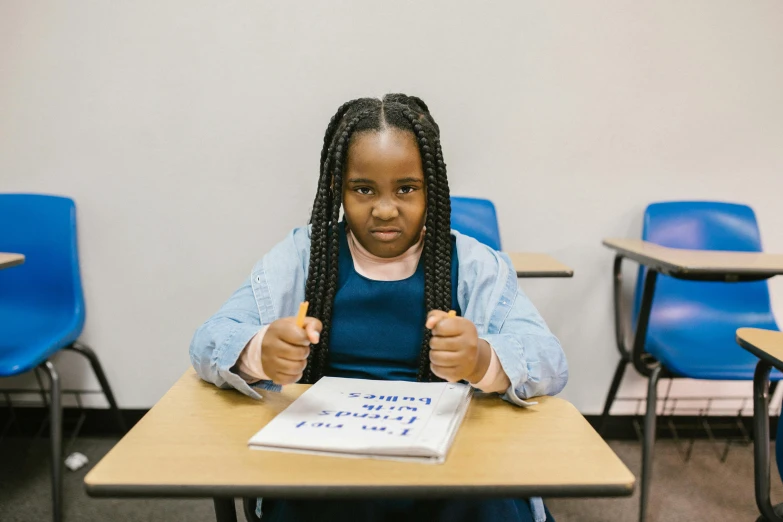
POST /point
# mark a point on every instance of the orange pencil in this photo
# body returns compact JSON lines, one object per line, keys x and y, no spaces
{"x":300,"y":317}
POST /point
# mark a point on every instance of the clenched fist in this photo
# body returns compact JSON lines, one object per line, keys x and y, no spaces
{"x":285,"y":348}
{"x":456,"y":352}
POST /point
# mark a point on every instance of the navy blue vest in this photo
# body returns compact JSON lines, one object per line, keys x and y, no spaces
{"x":378,"y":326}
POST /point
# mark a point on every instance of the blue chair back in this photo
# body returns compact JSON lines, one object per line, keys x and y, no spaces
{"x":704,"y":225}
{"x":43,"y":228}
{"x":476,"y":218}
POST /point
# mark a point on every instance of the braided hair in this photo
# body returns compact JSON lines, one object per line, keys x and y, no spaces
{"x":409,"y":114}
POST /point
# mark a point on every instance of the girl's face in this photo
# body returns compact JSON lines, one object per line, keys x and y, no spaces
{"x":384,"y":195}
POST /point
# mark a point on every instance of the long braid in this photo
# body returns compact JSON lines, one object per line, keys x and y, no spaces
{"x":319,"y":221}
{"x":437,"y":259}
{"x":406,"y":113}
{"x":325,"y":286}
{"x":321,"y":202}
{"x":430,"y":301}
{"x":317,"y":264}
{"x":334,"y":246}
{"x":444,"y":226}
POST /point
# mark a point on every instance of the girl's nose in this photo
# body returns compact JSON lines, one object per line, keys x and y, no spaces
{"x":385,"y":210}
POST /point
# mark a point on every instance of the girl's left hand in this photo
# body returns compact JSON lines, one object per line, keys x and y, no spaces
{"x":456,"y":352}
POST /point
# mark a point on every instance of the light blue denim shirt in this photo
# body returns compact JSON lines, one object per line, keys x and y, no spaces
{"x":487,"y":293}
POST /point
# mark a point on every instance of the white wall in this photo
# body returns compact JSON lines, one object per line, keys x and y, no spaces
{"x":189,"y":135}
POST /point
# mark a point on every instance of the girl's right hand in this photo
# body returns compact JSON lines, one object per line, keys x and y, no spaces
{"x":285,"y":348}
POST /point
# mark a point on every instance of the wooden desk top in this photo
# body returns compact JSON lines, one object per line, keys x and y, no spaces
{"x":764,"y":344}
{"x":8,"y":260}
{"x":699,"y":264}
{"x":193,"y":443}
{"x":538,"y":265}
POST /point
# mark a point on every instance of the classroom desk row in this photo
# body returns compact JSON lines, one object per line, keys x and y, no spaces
{"x":193,"y":443}
{"x":554,"y":451}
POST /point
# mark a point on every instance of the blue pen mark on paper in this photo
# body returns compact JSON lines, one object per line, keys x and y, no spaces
{"x":380,"y":407}
{"x":374,"y":414}
{"x":389,"y":398}
{"x":375,"y":418}
{"x":318,"y":425}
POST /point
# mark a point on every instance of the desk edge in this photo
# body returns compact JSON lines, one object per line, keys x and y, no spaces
{"x":683,"y":271}
{"x":13,"y":263}
{"x":352,"y":491}
{"x":527,"y":274}
{"x":758,"y":352}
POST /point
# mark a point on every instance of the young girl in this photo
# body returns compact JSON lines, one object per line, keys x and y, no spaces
{"x":379,"y":284}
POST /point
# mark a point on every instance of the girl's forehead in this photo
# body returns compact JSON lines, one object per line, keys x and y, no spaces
{"x":384,"y":150}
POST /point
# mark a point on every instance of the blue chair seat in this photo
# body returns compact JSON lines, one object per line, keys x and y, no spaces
{"x":692,"y":325}
{"x":708,"y":354}
{"x":29,"y":335}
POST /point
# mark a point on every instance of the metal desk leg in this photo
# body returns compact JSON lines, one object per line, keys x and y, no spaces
{"x":648,"y":444}
{"x":225,"y":510}
{"x":761,"y":455}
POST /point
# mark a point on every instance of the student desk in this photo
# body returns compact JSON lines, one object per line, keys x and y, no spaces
{"x":8,"y":260}
{"x":193,"y":443}
{"x":694,"y":265}
{"x":529,"y":264}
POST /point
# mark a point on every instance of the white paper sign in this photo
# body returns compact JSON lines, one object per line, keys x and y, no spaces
{"x":364,"y":418}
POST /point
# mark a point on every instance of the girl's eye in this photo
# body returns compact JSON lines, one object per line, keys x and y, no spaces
{"x":407,"y":189}
{"x":364,"y":191}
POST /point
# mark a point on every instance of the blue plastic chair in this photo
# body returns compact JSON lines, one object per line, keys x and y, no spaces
{"x":476,"y":218}
{"x":41,"y":304}
{"x":692,"y":323}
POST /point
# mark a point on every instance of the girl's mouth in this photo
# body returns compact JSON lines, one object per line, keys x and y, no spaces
{"x":385,"y":234}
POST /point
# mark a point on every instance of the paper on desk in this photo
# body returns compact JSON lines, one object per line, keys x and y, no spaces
{"x":371,"y":419}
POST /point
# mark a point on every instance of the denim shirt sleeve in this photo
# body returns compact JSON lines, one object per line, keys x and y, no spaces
{"x":528,"y":351}
{"x":217,"y":344}
{"x":531,"y":356}
{"x":274,"y":290}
